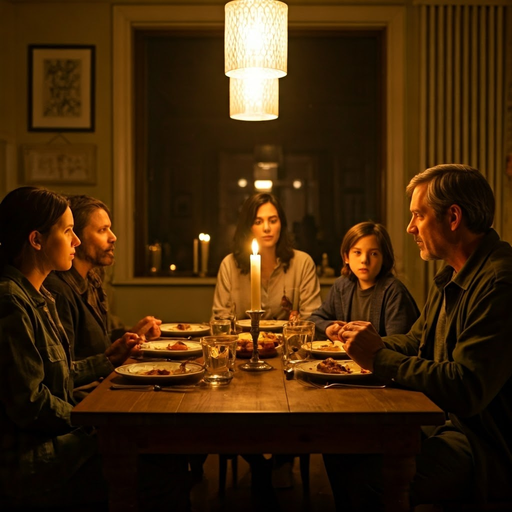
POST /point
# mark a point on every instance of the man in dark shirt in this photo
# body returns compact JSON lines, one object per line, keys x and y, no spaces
{"x":458,"y":352}
{"x":81,"y":300}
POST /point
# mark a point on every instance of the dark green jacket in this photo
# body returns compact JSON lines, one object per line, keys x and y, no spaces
{"x":85,"y":328}
{"x":39,"y":448}
{"x":475,"y":384}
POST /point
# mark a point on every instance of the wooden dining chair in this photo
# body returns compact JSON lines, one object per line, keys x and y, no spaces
{"x":223,"y":469}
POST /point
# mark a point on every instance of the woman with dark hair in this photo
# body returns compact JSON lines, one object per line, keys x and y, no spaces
{"x":367,"y":289}
{"x":44,"y":460}
{"x":288,"y":277}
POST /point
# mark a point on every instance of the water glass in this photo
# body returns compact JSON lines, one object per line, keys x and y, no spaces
{"x":220,"y":326}
{"x":298,"y":338}
{"x":219,"y":354}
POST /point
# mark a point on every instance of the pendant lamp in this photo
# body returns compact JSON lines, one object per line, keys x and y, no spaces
{"x":254,"y":99}
{"x":256,"y":38}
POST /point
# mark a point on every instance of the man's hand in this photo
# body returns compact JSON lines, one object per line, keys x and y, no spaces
{"x":123,"y":348}
{"x":362,"y":342}
{"x":148,"y":328}
{"x":333,"y":331}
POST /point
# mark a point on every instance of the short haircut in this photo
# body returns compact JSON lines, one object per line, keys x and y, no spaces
{"x":465,"y":186}
{"x":361,"y":230}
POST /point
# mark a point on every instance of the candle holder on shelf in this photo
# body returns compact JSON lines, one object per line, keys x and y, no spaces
{"x":255,"y":364}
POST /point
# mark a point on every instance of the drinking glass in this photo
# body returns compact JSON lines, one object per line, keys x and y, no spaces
{"x":220,"y":326}
{"x":298,"y":338}
{"x":219,"y":354}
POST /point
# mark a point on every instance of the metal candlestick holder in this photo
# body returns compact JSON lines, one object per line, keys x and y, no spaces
{"x":255,"y":364}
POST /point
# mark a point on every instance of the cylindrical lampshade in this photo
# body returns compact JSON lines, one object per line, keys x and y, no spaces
{"x":254,"y":99}
{"x":256,"y":38}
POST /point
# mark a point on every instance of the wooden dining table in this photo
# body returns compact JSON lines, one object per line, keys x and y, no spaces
{"x":258,"y":412}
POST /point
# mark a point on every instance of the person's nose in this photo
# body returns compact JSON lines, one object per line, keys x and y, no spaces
{"x":411,"y":228}
{"x":76,"y":241}
{"x":364,"y":258}
{"x":266,"y":226}
{"x":113,"y":237}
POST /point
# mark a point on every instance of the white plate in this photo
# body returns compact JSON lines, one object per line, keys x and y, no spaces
{"x":265,"y":325}
{"x":311,"y":371}
{"x":137,"y":372}
{"x":318,"y":350}
{"x":193,"y":330}
{"x":158,"y":348}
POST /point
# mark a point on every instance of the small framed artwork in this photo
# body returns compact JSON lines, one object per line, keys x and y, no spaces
{"x":70,"y":164}
{"x":61,"y":88}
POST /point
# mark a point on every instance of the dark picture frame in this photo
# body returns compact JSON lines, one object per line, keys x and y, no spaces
{"x":61,"y":87}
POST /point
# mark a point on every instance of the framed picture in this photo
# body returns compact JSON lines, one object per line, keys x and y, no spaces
{"x":70,"y":164}
{"x":61,"y":88}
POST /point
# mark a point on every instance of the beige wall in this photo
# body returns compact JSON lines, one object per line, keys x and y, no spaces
{"x":74,"y":22}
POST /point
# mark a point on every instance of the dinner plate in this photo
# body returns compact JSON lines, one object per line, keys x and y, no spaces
{"x":137,"y":372}
{"x":320,"y":350}
{"x":310,"y":370}
{"x":190,"y":330}
{"x":159,"y":348}
{"x":265,"y":325}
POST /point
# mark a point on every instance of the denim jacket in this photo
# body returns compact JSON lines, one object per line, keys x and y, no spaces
{"x":39,"y":446}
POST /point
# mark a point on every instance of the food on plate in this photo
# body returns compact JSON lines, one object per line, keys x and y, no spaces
{"x":328,"y":347}
{"x":162,"y":371}
{"x":267,"y":341}
{"x":179,"y":345}
{"x":330,"y":365}
{"x":183,"y":327}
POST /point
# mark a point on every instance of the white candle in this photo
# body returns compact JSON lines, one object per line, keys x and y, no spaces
{"x":205,"y":243}
{"x":255,"y":277}
{"x":196,"y":256}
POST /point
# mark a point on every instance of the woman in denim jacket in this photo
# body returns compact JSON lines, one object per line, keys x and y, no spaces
{"x":44,"y":460}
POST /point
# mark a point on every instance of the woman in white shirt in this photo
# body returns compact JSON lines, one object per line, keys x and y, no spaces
{"x":288,"y":277}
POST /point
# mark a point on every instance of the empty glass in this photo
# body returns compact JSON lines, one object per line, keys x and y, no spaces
{"x":220,"y":326}
{"x":297,"y":342}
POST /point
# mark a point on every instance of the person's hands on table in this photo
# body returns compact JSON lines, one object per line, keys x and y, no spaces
{"x":361,"y":342}
{"x":148,"y":328}
{"x":333,"y":331}
{"x":123,"y":348}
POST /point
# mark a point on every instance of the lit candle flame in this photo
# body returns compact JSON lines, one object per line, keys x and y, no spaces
{"x":204,"y":237}
{"x":255,"y":246}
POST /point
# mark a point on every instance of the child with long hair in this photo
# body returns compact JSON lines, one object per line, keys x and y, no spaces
{"x":367,"y":289}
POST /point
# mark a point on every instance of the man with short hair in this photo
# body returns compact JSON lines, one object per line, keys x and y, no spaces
{"x":458,"y":352}
{"x":80,"y":298}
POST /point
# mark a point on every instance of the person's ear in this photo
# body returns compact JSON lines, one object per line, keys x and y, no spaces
{"x":454,"y":216}
{"x":35,"y":239}
{"x":345,"y":259}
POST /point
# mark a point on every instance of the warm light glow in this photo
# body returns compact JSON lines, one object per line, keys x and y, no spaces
{"x":172,"y":267}
{"x":263,"y":185}
{"x":242,"y":183}
{"x":254,"y":99}
{"x":255,"y":246}
{"x":204,"y":237}
{"x":297,"y":184}
{"x":256,"y":38}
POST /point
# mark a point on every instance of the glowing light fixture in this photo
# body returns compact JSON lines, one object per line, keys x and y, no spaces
{"x":254,"y":99}
{"x":263,"y":185}
{"x":256,"y":38}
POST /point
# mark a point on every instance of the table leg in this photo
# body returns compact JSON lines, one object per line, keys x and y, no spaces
{"x":398,"y":472}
